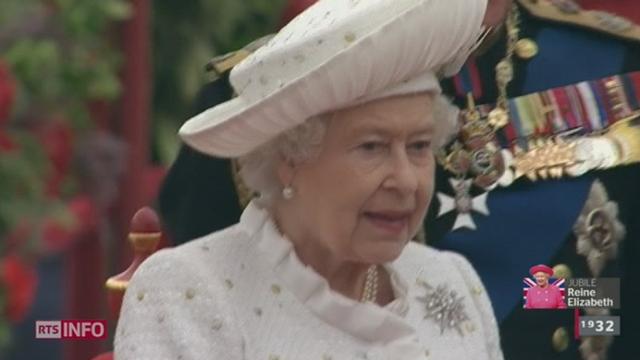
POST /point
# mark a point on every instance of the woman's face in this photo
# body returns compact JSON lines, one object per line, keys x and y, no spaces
{"x":542,"y":278}
{"x":367,"y":192}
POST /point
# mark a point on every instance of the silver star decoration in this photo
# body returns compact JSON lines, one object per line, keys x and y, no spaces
{"x":463,"y":204}
{"x":444,"y":306}
{"x":598,"y":229}
{"x":595,"y":347}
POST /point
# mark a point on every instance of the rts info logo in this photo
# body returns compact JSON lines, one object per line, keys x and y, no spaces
{"x":72,"y":329}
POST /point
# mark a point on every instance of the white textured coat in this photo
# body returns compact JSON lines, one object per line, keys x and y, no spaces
{"x":242,"y":293}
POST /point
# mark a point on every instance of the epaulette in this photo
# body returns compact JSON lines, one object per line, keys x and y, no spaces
{"x":221,"y":64}
{"x":569,"y":12}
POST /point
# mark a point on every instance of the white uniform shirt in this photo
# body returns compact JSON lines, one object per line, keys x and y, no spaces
{"x":242,"y":293}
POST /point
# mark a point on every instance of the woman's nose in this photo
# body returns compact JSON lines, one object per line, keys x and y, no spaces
{"x":403,"y":174}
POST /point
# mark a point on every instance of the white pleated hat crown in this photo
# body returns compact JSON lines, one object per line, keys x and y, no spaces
{"x":336,"y":54}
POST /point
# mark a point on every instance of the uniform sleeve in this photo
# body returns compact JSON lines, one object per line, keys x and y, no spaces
{"x":483,"y":305}
{"x":170,"y":312}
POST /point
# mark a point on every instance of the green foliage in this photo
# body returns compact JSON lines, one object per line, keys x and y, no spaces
{"x":67,"y":60}
{"x":60,"y":55}
{"x":61,"y":63}
{"x":185,"y":36}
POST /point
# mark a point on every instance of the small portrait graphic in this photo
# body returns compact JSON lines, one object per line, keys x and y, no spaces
{"x":541,"y":293}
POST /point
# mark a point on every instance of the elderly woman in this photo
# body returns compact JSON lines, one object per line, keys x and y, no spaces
{"x":544,"y":295}
{"x":334,"y":125}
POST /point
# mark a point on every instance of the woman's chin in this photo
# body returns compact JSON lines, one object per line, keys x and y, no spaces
{"x":383,"y":251}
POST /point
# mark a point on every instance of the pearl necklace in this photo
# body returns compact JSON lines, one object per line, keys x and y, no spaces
{"x":370,"y":291}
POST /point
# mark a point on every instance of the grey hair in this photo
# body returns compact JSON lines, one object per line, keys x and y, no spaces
{"x":299,"y":144}
{"x":304,"y":142}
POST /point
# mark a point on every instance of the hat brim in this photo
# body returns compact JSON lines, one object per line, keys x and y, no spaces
{"x":543,"y":269}
{"x":237,"y":126}
{"x":358,"y":73}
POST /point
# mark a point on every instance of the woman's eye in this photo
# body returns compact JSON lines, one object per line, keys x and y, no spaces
{"x":421,"y":146}
{"x":373,"y":146}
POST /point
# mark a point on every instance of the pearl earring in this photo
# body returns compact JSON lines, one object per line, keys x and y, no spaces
{"x":288,"y":192}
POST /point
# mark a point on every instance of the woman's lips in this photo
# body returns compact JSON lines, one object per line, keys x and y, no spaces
{"x":394,"y":222}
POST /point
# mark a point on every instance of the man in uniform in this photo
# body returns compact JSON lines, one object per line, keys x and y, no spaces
{"x":579,"y":62}
{"x":563,"y":210}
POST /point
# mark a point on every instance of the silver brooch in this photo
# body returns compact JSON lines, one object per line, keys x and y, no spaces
{"x":463,"y":203}
{"x":444,"y":306}
{"x":598,"y":229}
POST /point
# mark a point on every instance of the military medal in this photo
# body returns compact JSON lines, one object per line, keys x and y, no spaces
{"x":488,"y":166}
{"x":476,"y":152}
{"x":498,"y":118}
{"x":458,"y":161}
{"x":475,"y":157}
{"x":463,"y":203}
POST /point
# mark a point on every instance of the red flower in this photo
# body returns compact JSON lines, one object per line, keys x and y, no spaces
{"x":6,"y":143}
{"x":57,"y":237}
{"x":56,"y":138}
{"x":85,"y":212}
{"x":20,"y":282}
{"x":7,"y":93}
{"x":18,"y":235}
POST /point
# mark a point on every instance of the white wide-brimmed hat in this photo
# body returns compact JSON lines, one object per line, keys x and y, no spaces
{"x":336,"y":54}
